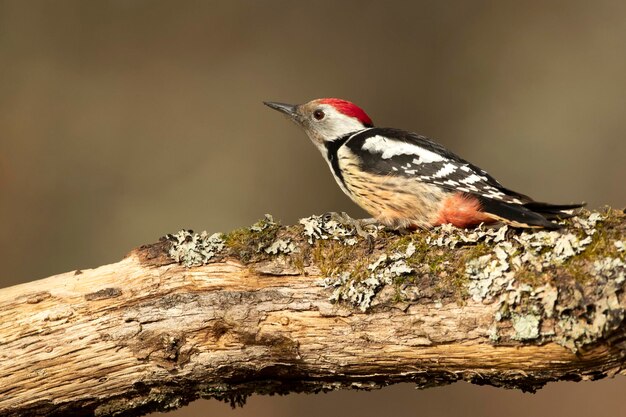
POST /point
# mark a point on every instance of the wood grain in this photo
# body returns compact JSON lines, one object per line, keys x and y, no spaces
{"x":148,"y":334}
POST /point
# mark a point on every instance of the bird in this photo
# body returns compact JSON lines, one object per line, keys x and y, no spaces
{"x":407,"y":181}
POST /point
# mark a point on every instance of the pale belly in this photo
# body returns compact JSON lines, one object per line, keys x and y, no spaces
{"x":394,"y":201}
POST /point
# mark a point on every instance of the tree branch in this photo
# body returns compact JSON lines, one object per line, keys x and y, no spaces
{"x":322,"y":305}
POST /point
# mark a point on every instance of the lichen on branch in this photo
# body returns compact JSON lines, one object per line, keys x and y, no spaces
{"x":564,"y":286}
{"x":328,"y":303}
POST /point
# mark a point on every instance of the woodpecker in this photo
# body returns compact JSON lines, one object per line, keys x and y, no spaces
{"x":406,"y":180}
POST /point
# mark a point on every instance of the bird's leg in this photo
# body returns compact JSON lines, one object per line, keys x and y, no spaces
{"x":333,"y":215}
{"x":369,"y":221}
{"x":360,"y":226}
{"x":373,"y":222}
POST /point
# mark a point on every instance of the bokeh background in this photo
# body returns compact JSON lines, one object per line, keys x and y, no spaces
{"x":123,"y":120}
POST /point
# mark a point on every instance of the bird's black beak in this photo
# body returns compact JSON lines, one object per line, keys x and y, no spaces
{"x":289,"y":109}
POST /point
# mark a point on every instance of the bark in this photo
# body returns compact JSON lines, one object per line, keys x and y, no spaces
{"x":318,"y":306}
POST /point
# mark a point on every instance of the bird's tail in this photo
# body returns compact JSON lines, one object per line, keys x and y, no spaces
{"x":531,"y":214}
{"x":553,"y":211}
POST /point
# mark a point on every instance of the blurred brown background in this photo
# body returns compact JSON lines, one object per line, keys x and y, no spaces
{"x":123,"y":120}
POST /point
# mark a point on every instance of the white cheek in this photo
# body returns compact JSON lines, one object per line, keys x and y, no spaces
{"x":341,"y":125}
{"x":333,"y":126}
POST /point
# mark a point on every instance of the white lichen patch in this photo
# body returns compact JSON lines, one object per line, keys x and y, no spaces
{"x":537,"y":302}
{"x":381,"y":272}
{"x":338,"y":227}
{"x":532,"y":253}
{"x":588,"y":224}
{"x":266,"y":222}
{"x":284,"y":246}
{"x":486,"y":272}
{"x":194,"y":249}
{"x":316,"y":227}
{"x":281,"y":246}
{"x":603,"y":314}
{"x":259,"y":240}
{"x":539,"y":249}
{"x":492,"y":333}
{"x":450,"y":236}
{"x":547,"y":296}
{"x":610,"y":268}
{"x":525,"y":326}
{"x":542,"y":249}
{"x":529,"y":250}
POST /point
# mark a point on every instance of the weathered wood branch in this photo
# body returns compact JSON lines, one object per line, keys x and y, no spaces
{"x":316,"y":307}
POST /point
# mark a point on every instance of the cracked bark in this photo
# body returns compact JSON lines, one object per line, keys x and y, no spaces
{"x":148,"y":334}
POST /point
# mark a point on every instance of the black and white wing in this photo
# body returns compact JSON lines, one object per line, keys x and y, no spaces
{"x":385,"y":151}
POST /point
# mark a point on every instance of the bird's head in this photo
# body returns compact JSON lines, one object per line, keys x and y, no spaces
{"x":325,"y":119}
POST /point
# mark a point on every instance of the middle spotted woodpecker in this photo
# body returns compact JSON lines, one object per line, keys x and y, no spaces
{"x":406,"y":180}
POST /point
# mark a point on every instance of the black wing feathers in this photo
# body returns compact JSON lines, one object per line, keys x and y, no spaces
{"x":453,"y":181}
{"x":553,"y":211}
{"x":453,"y":173}
{"x":516,"y":213}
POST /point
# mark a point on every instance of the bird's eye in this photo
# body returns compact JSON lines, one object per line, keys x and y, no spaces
{"x":318,"y":114}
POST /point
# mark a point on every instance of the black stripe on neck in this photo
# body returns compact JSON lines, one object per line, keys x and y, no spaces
{"x":332,"y":148}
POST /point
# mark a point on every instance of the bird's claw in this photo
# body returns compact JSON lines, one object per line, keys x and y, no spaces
{"x":362,"y":227}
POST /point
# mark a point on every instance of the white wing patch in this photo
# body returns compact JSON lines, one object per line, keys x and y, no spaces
{"x":472,"y":179}
{"x":388,"y":148}
{"x":446,"y":170}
